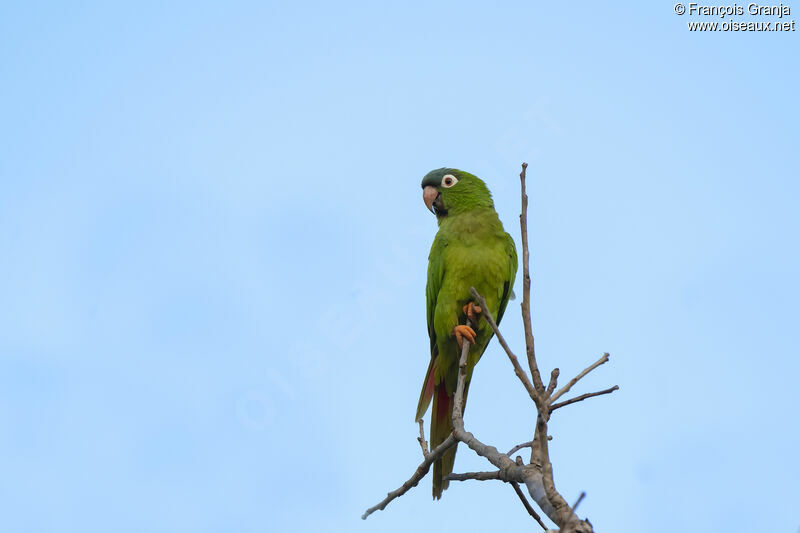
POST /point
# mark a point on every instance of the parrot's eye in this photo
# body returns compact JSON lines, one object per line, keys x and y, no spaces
{"x":449,"y":180}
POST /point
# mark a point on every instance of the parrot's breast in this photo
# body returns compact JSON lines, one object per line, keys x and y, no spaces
{"x":476,"y":255}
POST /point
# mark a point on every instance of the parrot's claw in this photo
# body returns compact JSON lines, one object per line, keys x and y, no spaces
{"x":471,"y":310}
{"x":464,"y":332}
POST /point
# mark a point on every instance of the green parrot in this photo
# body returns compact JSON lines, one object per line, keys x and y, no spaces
{"x":471,"y":249}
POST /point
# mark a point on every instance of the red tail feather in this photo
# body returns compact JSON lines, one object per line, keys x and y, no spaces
{"x":441,"y":427}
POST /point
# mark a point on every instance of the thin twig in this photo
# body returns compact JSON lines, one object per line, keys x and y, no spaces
{"x":563,"y":390}
{"x":477,"y":476}
{"x":578,"y":502}
{"x":583,"y":397}
{"x":574,"y":517}
{"x":422,"y":469}
{"x":526,"y":287}
{"x":527,"y":505}
{"x":518,"y":447}
{"x":523,"y":377}
{"x":421,"y":439}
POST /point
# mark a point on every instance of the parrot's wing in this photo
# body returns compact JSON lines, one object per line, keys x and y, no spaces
{"x":435,"y":276}
{"x":506,"y":291}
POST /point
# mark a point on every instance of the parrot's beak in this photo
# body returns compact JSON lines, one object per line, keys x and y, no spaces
{"x":429,"y":196}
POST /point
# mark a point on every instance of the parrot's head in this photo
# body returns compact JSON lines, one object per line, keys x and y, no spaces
{"x":449,"y":191}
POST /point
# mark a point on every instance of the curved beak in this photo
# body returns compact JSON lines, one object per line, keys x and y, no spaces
{"x":429,"y":195}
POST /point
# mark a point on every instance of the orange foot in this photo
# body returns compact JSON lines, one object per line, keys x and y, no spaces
{"x":464,"y":332}
{"x":471,"y":310}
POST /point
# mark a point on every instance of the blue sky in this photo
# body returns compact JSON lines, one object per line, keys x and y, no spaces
{"x":214,"y":252}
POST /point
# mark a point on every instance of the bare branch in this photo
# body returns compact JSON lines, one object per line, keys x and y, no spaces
{"x":422,"y":469}
{"x":575,"y":524}
{"x":560,"y":505}
{"x":421,"y":439}
{"x":458,"y":399}
{"x":535,"y":486}
{"x":526,"y":287}
{"x":459,"y":434}
{"x":527,"y":505}
{"x":477,"y":476}
{"x":518,"y":447}
{"x":500,"y":460}
{"x":497,"y":475}
{"x":583,"y":397}
{"x":578,"y":501}
{"x":553,"y":381}
{"x":563,"y":390}
{"x":523,"y":377}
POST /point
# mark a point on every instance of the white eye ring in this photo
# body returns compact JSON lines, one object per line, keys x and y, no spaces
{"x":448,"y":181}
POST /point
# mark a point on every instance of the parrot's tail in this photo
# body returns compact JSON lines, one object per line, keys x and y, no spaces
{"x":427,"y":390}
{"x":441,"y":428}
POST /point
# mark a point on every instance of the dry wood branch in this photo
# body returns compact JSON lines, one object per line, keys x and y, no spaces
{"x":578,"y":501}
{"x":583,"y":397}
{"x":526,"y":287}
{"x":553,"y":382}
{"x":451,"y":440}
{"x":422,"y":469}
{"x":508,"y":470}
{"x":518,"y":447}
{"x":558,"y":502}
{"x":421,"y":439}
{"x":458,"y":400}
{"x":523,"y":377}
{"x":497,"y":475}
{"x":563,"y":390}
{"x":527,"y":505}
{"x":477,"y":476}
{"x":490,"y":453}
